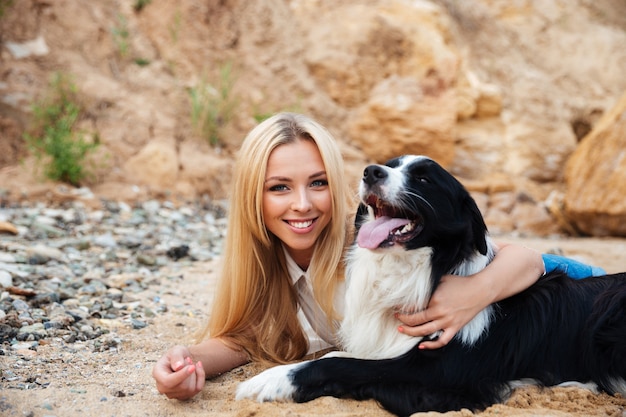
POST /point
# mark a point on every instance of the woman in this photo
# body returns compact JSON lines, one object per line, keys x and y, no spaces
{"x":289,"y":225}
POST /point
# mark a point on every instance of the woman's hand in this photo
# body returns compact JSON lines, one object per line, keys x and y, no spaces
{"x":177,"y":376}
{"x":455,"y":303}
{"x":457,"y":300}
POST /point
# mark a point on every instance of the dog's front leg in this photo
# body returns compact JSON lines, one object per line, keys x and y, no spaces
{"x":273,"y":384}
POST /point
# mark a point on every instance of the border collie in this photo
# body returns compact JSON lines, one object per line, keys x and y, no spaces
{"x":416,"y":222}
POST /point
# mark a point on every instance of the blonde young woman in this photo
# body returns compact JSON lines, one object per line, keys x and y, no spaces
{"x":279,"y":294}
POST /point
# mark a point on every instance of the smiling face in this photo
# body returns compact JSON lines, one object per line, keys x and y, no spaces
{"x":413,"y":202}
{"x":297,"y":201}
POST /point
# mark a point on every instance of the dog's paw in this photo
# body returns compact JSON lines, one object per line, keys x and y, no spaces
{"x":337,"y":354}
{"x":274,"y":384}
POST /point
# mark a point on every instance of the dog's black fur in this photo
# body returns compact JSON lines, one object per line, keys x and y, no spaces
{"x":560,"y":329}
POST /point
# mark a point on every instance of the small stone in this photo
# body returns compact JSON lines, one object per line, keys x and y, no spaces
{"x":145,"y":259}
{"x":178,"y":252}
{"x":37,"y":259}
{"x":46,"y":252}
{"x":6,"y":279}
{"x":36,"y":330}
{"x":48,"y":298}
{"x":7,"y":333}
{"x":138,"y":324}
{"x":7,"y":257}
{"x":24,"y":346}
{"x":47,"y":230}
{"x":6,"y":227}
{"x":106,"y":240}
{"x":20,"y":305}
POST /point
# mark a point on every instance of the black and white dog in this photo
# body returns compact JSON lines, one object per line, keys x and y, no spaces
{"x":415,"y":224}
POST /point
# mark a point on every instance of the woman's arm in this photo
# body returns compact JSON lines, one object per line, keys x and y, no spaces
{"x":217,"y":357}
{"x":181,"y":372}
{"x":458,"y":299}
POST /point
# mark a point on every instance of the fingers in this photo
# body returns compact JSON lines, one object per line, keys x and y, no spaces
{"x":413,"y":319}
{"x":413,"y":325}
{"x":186,"y":386}
{"x":162,"y":368}
{"x":181,"y":384}
{"x":195,"y":381}
{"x":420,"y":331}
{"x":200,"y":377}
{"x":426,"y":330}
{"x":171,"y":379}
{"x":179,"y":356}
{"x":443,"y":339}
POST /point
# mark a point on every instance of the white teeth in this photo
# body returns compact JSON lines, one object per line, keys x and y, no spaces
{"x":301,"y":225}
{"x":370,"y":211}
{"x":406,"y":229}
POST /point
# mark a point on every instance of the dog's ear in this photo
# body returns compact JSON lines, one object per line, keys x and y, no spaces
{"x":479,"y":228}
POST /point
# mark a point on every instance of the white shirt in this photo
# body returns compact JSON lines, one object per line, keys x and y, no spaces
{"x":314,"y":322}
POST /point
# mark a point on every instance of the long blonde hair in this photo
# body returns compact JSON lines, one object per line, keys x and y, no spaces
{"x":255,"y":306}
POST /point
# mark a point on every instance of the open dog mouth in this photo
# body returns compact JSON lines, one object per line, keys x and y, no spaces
{"x":390,"y":225}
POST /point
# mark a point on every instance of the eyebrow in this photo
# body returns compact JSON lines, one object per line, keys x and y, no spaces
{"x":279,"y":178}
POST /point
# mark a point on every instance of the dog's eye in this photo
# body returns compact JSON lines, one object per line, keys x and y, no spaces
{"x":423,"y":179}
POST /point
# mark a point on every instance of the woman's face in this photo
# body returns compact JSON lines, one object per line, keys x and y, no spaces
{"x":296,"y":198}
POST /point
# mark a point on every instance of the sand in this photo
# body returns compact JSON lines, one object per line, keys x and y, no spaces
{"x":71,"y":380}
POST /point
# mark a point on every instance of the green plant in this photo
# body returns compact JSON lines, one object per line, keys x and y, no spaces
{"x":212,"y":107}
{"x":142,"y":62}
{"x":175,"y":25}
{"x":140,"y":4}
{"x":54,"y":138}
{"x":4,"y":5}
{"x":121,"y":35}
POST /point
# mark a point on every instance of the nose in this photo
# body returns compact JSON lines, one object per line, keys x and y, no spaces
{"x":374,"y":174}
{"x":301,"y":201}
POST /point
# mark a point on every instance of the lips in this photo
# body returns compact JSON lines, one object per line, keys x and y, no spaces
{"x":300,"y":224}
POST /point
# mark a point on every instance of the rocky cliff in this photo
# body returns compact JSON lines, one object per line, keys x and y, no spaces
{"x":501,"y":93}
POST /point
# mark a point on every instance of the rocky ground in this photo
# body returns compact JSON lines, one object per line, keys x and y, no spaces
{"x":93,"y":294}
{"x":67,"y":268}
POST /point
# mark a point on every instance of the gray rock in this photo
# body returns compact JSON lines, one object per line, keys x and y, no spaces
{"x":82,"y":267}
{"x":6,"y":280}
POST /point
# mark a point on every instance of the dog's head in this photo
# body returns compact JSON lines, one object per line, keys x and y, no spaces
{"x":413,"y":202}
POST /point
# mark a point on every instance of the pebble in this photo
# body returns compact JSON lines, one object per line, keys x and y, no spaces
{"x":69,"y":270}
{"x":6,"y":280}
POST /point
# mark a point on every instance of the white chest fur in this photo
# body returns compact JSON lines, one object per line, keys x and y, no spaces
{"x":384,"y":281}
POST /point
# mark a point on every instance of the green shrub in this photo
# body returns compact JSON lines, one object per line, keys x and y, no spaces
{"x":212,"y":107}
{"x":140,"y":4}
{"x":121,"y":36}
{"x":175,"y":26}
{"x":54,"y":138}
{"x":4,"y":5}
{"x":142,"y":62}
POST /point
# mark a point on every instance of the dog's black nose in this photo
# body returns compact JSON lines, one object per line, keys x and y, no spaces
{"x":373,"y":174}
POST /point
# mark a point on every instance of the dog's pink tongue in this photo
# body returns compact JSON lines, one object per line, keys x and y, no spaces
{"x":372,"y":234}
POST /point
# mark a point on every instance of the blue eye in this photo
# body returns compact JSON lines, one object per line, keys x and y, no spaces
{"x":319,"y":183}
{"x":278,"y":187}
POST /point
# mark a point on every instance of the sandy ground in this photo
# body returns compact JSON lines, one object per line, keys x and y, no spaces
{"x":79,"y":382}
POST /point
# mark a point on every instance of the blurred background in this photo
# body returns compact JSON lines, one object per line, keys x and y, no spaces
{"x":523,"y":100}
